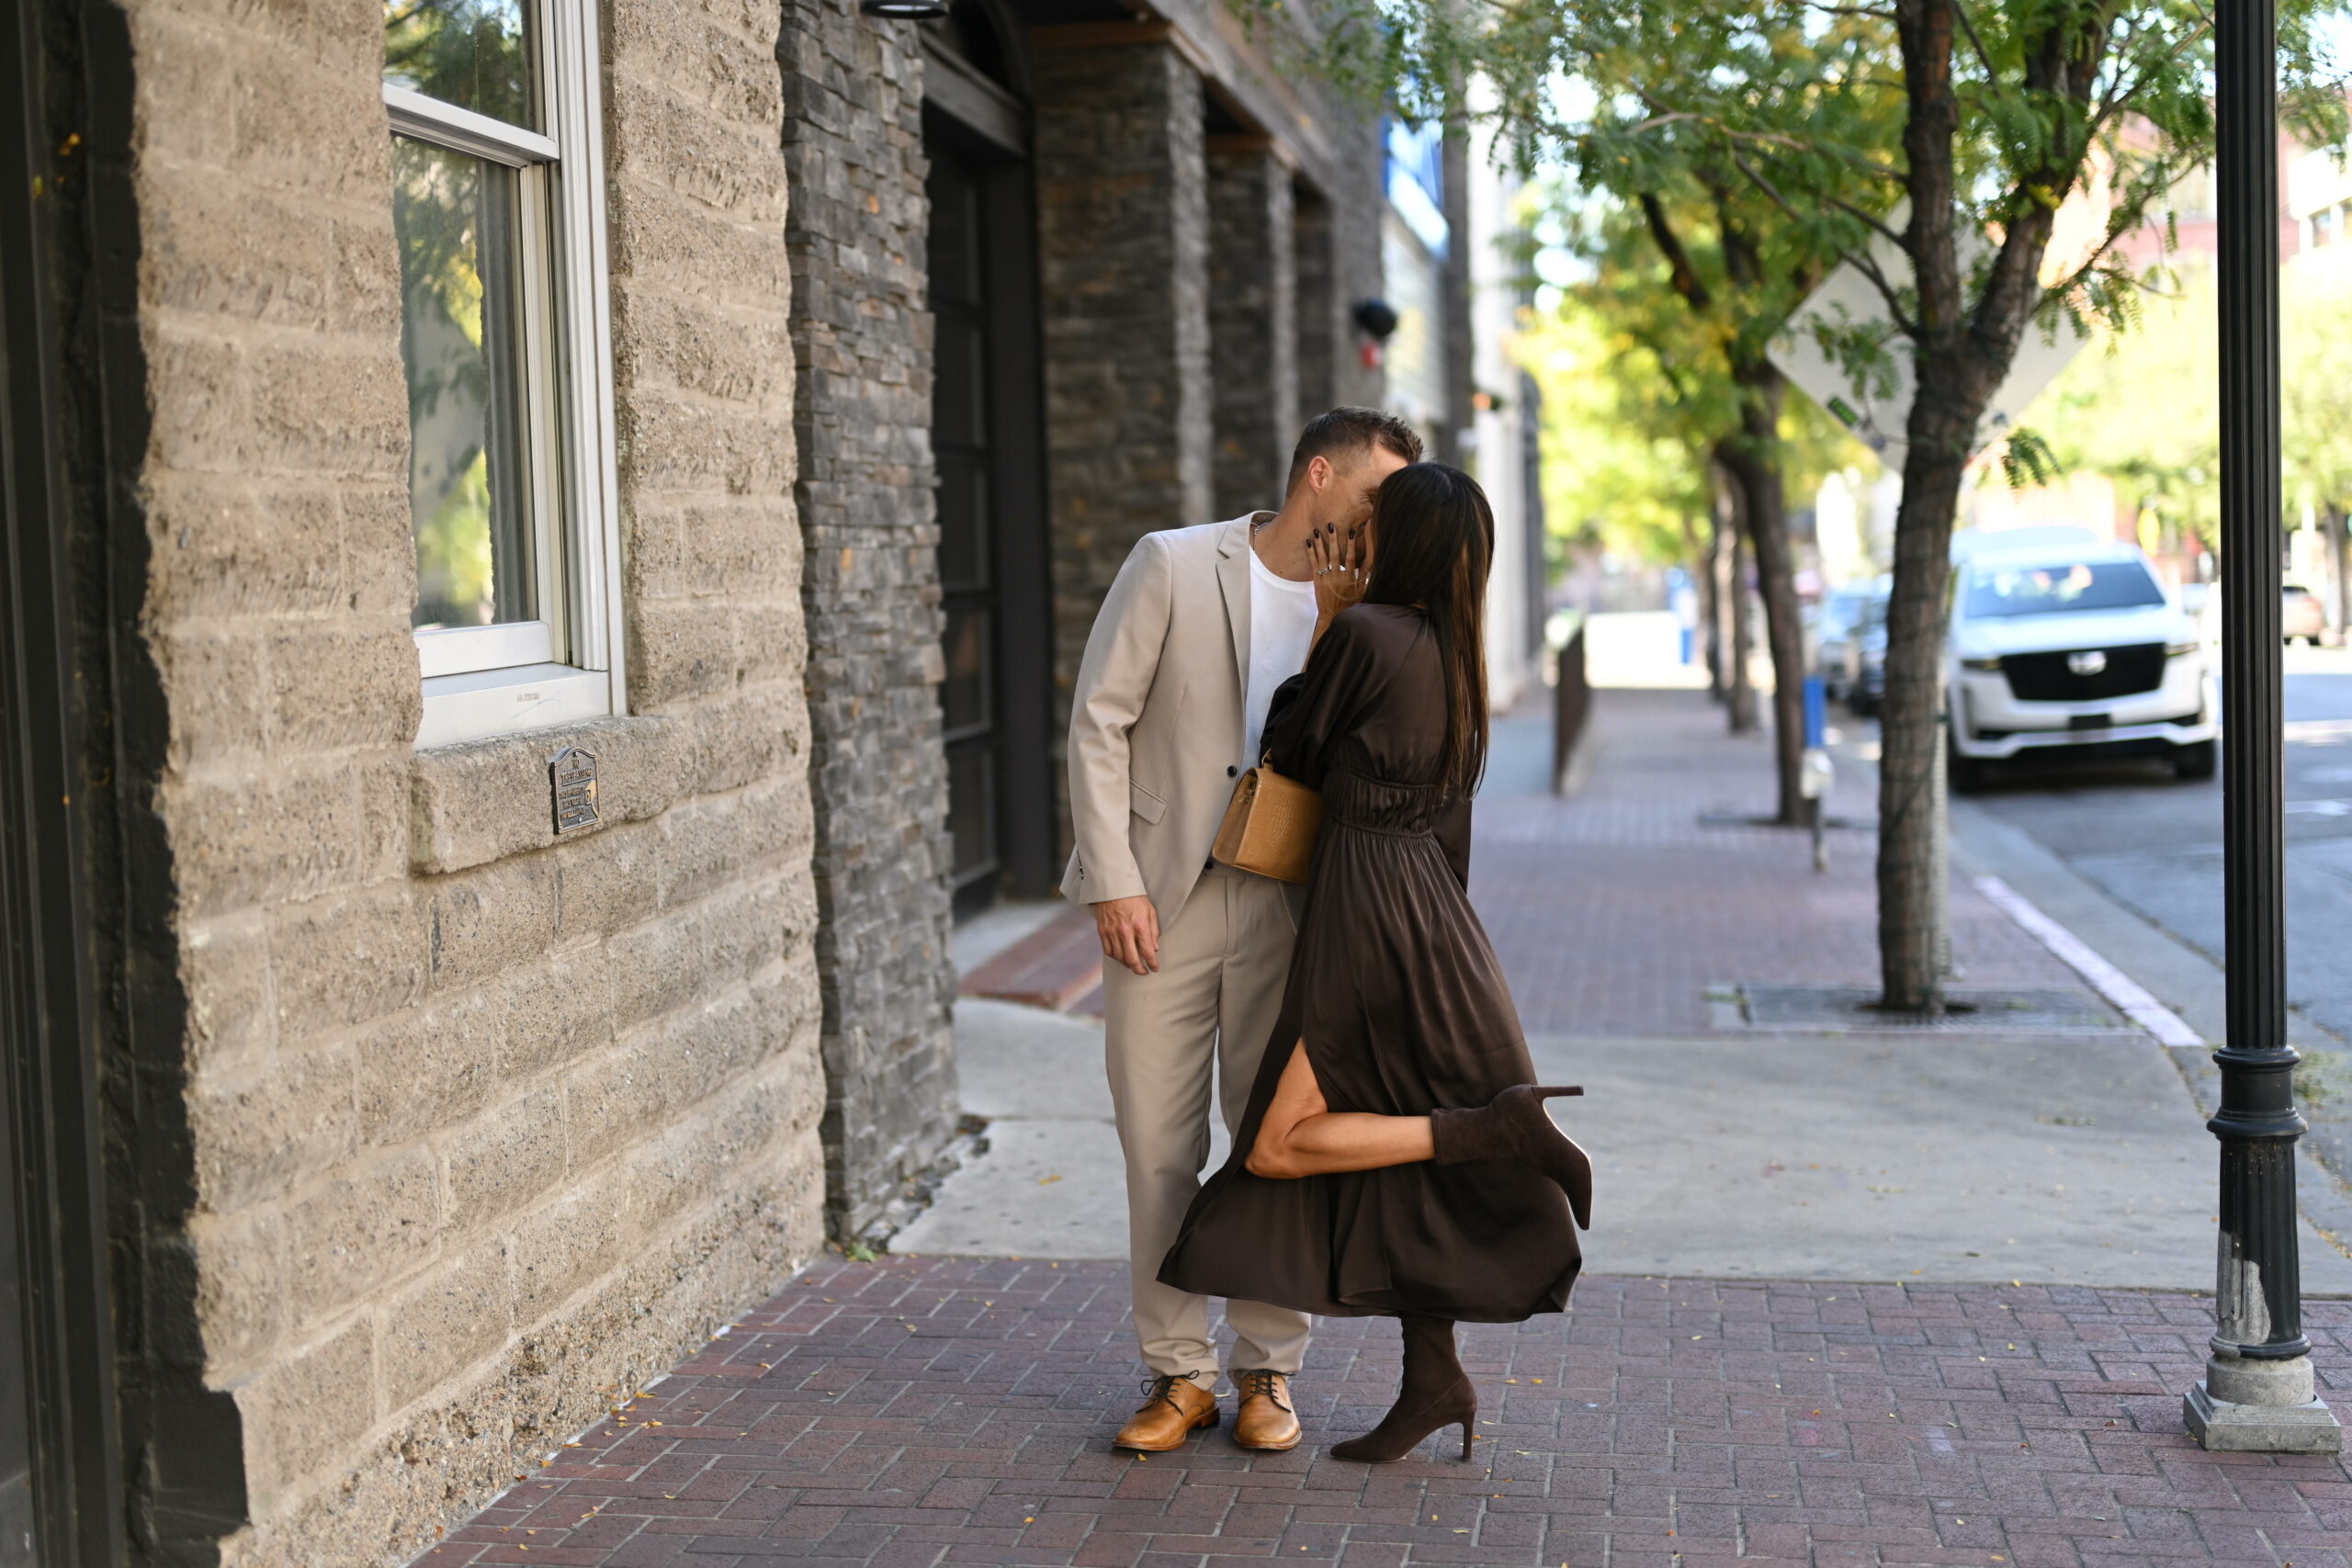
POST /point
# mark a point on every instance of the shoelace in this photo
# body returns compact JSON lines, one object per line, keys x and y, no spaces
{"x":1158,"y":1389}
{"x":1259,"y":1381}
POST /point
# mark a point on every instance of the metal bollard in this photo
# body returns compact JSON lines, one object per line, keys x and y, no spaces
{"x":1819,"y":773}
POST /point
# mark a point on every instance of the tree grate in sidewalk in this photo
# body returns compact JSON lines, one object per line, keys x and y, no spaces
{"x":1843,"y":1009}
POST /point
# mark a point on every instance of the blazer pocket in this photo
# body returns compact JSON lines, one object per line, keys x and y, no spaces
{"x":1144,"y":803}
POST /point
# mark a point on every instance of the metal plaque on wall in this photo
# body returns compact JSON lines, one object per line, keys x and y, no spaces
{"x":573,"y":774}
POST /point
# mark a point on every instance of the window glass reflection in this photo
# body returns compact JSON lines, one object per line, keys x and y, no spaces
{"x":964,"y":695}
{"x":473,"y":53}
{"x":454,"y":216}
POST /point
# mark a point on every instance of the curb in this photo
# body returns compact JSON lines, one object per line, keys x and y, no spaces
{"x":2129,"y":997}
{"x":2324,"y":1197}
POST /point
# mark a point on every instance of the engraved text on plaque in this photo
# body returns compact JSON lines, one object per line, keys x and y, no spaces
{"x":572,"y":772}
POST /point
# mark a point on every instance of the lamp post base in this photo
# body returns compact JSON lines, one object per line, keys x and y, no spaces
{"x":2220,"y":1425}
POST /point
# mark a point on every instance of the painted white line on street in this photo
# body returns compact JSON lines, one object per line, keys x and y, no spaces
{"x":2113,"y":984}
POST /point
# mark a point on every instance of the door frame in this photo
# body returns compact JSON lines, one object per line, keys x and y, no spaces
{"x":1020,"y":560}
{"x":47,"y":1046}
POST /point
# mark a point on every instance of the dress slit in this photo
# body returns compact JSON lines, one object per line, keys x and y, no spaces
{"x":1397,"y":999}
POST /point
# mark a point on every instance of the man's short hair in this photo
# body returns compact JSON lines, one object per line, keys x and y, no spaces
{"x":1350,"y":433}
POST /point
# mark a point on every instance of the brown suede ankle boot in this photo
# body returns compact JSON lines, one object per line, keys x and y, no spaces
{"x":1515,"y":1126}
{"x":1436,"y":1392}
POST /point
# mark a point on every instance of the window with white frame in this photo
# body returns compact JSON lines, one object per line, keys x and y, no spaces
{"x":498,"y":210}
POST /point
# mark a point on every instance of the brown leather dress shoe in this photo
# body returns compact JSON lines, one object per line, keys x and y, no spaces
{"x":1173,"y":1407}
{"x":1265,"y":1419}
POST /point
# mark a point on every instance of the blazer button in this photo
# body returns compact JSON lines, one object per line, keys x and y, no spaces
{"x":1233,"y":773}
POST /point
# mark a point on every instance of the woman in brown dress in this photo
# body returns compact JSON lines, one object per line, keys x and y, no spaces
{"x":1382,"y":1167}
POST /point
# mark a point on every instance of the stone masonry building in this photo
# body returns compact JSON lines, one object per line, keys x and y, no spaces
{"x":548,"y":542}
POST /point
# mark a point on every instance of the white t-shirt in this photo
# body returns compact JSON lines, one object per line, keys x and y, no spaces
{"x":1281,"y":627}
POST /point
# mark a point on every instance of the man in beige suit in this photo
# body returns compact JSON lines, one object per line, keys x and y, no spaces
{"x":1201,"y":627}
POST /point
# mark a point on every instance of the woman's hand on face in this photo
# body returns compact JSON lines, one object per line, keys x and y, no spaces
{"x":1341,"y":559}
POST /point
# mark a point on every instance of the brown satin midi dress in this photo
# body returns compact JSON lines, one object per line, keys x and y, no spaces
{"x":1397,"y":995}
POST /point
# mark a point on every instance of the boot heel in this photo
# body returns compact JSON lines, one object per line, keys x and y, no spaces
{"x":1466,"y":1442}
{"x":1559,"y":1093}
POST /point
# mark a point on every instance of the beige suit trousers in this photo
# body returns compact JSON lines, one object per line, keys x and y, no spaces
{"x":1223,"y":962}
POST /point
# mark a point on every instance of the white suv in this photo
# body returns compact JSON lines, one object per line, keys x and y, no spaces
{"x":2063,"y":640}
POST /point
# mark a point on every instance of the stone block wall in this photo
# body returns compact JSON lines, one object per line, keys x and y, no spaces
{"x":482,"y":1129}
{"x":861,"y":334}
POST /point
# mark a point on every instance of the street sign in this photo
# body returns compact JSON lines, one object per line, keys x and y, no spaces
{"x":1877,"y":406}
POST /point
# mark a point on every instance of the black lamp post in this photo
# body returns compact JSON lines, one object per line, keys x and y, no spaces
{"x":2258,"y":1394}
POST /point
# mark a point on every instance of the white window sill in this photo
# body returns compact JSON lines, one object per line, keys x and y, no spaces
{"x":486,"y":702}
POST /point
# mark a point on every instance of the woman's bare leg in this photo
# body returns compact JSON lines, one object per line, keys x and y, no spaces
{"x":1303,"y":1136}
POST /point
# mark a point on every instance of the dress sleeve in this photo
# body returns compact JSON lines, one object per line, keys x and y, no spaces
{"x":1320,"y":706}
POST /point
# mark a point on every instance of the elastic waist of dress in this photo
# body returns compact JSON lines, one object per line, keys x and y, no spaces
{"x":1377,"y":782}
{"x":1384,"y":832}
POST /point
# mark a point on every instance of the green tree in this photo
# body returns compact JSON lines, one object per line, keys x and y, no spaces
{"x":1616,"y":473}
{"x":2316,"y":433}
{"x":2002,"y":108}
{"x":2142,"y":407}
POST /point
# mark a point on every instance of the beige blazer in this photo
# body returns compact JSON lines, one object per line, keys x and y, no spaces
{"x":1154,"y":724}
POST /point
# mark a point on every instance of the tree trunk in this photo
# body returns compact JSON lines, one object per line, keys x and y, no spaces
{"x":1457,"y":431}
{"x":1717,"y":569}
{"x":1913,"y":912}
{"x":1753,"y":460}
{"x":1739,"y":690}
{"x":1959,"y":355}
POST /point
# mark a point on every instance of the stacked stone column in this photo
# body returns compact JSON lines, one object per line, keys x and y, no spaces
{"x":1323,"y":336}
{"x":1336,"y":239}
{"x":1254,"y":321}
{"x":852,"y":150}
{"x":1123,"y":282}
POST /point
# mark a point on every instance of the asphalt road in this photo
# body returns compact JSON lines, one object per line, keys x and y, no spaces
{"x":2154,"y":844}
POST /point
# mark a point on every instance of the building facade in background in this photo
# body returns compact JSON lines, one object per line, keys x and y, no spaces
{"x":553,"y":540}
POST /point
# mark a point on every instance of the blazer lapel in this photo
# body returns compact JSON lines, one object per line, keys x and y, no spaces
{"x":1233,"y":582}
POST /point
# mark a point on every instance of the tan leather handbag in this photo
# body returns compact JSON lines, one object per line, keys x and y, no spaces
{"x":1270,"y":825}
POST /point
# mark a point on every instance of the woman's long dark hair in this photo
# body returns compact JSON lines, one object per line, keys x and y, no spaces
{"x":1433,"y":538}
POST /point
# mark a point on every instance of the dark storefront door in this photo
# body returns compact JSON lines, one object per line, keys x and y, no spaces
{"x":959,"y":439}
{"x":16,"y":1438}
{"x":985,"y":438}
{"x":20,"y":391}
{"x":58,"y":1497}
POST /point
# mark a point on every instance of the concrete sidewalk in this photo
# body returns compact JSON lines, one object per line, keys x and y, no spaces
{"x":912,"y":1413}
{"x":1857,"y":1294}
{"x":1854,"y":1151}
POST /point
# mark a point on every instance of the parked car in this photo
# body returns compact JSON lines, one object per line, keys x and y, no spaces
{"x":1862,"y":681}
{"x":2064,"y":642}
{"x":2300,"y":614}
{"x":1835,"y":624}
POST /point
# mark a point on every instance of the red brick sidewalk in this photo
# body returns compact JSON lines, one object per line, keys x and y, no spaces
{"x":1615,"y":910}
{"x":959,"y":1412}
